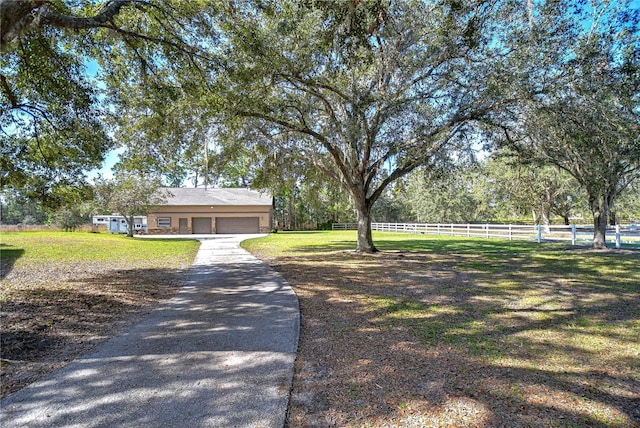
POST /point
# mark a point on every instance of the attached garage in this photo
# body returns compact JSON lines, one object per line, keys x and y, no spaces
{"x":237,"y":225}
{"x":206,"y":211}
{"x":201,"y":224}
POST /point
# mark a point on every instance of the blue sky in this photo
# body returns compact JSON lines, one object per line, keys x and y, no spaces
{"x":107,"y":165}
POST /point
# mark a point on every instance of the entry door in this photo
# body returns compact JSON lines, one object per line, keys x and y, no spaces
{"x":183,"y":226}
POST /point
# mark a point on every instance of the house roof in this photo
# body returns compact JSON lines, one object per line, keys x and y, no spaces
{"x":216,"y":197}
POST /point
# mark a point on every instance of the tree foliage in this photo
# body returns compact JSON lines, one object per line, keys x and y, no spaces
{"x":627,"y":208}
{"x":70,"y":217}
{"x":286,"y":95}
{"x":15,"y":209}
{"x":446,"y":197}
{"x":520,"y":189}
{"x":588,"y":121}
{"x":129,"y":195}
{"x":304,"y":197}
{"x":48,"y":119}
{"x":53,"y":110}
{"x":493,"y":190}
{"x":364,"y":91}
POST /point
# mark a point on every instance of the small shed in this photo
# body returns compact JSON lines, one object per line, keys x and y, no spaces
{"x":211,"y":211}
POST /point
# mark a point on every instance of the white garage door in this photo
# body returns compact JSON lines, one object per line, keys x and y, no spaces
{"x":201,"y":224}
{"x":237,"y":225}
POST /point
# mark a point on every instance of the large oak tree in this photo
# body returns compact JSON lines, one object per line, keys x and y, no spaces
{"x":587,"y":122}
{"x":53,"y":107}
{"x":364,"y":91}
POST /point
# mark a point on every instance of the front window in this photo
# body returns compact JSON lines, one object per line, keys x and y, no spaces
{"x":164,"y":221}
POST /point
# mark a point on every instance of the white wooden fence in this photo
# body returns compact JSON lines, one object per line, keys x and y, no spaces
{"x":615,"y":234}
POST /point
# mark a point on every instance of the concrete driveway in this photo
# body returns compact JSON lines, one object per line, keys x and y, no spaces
{"x":218,"y":354}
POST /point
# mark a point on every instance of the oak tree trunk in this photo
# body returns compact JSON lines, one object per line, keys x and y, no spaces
{"x":600,"y":208}
{"x":130,"y":225}
{"x":365,"y":240}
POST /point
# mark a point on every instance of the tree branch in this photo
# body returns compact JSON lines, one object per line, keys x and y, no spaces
{"x":334,"y":151}
{"x":13,"y":100}
{"x":15,"y":20}
{"x":18,"y":16}
{"x":15,"y":17}
{"x":102,"y":19}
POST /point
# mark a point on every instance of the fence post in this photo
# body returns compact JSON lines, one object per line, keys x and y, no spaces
{"x":573,"y":234}
{"x":510,"y":233}
{"x":618,"y":242}
{"x":451,"y":229}
{"x":468,"y":230}
{"x":438,"y":229}
{"x":487,"y":227}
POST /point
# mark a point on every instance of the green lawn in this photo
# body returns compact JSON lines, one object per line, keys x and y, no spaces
{"x":61,"y":293}
{"x":594,"y":292}
{"x":555,"y":330}
{"x":45,"y":247}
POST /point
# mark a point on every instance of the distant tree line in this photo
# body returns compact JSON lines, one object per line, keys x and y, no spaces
{"x":494,"y":190}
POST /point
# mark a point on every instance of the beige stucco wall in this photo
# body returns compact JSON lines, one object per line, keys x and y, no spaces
{"x":177,"y":212}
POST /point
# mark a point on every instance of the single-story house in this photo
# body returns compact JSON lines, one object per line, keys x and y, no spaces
{"x":205,"y":210}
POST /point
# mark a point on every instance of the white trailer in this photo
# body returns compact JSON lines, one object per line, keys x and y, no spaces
{"x":116,"y":223}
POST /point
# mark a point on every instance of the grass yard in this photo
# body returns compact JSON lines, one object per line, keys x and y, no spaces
{"x":440,"y":331}
{"x":62,"y":293}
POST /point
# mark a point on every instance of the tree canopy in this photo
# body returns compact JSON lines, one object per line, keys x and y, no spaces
{"x":365,"y":92}
{"x":588,"y":121}
{"x":129,"y":195}
{"x":53,"y":108}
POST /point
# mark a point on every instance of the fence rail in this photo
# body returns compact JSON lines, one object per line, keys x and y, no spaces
{"x":576,"y":234}
{"x":344,"y":226}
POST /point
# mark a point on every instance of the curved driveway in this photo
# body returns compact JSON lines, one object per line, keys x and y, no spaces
{"x":218,"y":354}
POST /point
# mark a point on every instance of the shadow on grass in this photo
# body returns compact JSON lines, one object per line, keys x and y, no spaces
{"x":50,"y":322}
{"x":8,"y":256}
{"x":225,"y":342}
{"x":533,"y":335}
{"x":459,"y":245}
{"x":150,"y":239}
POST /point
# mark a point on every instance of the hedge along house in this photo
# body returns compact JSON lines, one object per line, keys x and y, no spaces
{"x":204,"y":211}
